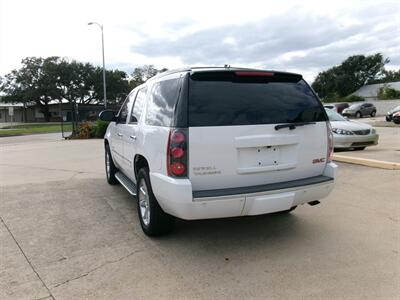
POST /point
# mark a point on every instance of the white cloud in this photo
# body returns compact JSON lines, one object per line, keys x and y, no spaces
{"x":46,"y":28}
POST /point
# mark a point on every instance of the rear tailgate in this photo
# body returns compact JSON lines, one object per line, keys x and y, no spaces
{"x":233,"y":141}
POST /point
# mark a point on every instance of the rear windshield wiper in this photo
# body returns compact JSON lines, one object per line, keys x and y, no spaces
{"x":292,"y":126}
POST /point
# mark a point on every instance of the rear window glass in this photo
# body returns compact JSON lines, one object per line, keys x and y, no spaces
{"x":163,"y":98}
{"x":235,"y":100}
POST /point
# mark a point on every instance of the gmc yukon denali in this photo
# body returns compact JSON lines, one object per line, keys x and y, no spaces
{"x":202,"y":143}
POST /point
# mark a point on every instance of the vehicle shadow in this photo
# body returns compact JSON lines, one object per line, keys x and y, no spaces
{"x":221,"y":238}
{"x":246,"y":236}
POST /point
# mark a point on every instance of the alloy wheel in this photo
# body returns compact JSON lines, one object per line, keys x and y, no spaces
{"x":144,"y":203}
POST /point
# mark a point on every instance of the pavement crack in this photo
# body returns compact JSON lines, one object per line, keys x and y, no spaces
{"x":96,"y":268}
{"x":75,"y":174}
{"x":27,"y":259}
{"x":392,"y":219}
{"x":45,"y":298}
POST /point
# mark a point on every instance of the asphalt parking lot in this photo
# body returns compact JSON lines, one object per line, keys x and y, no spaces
{"x":66,"y":234}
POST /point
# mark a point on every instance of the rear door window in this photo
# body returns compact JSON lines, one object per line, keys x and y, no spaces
{"x":227,"y":99}
{"x":123,"y":112}
{"x":138,"y":106}
{"x":163,"y":98}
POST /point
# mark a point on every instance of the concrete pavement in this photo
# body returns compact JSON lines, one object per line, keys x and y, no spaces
{"x":66,"y":234}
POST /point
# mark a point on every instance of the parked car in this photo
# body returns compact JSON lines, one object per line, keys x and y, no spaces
{"x":330,"y":106}
{"x":203,"y":143}
{"x":338,"y":107}
{"x":351,"y":134}
{"x":360,"y":110}
{"x":389,"y":115}
{"x":396,"y":117}
{"x":341,"y":106}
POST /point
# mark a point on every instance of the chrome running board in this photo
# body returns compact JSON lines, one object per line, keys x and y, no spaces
{"x":126,"y":183}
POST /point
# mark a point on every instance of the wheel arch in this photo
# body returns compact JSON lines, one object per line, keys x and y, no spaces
{"x":139,"y":162}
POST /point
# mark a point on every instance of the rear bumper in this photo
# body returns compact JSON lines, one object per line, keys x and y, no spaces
{"x":175,"y":196}
{"x":351,"y":141}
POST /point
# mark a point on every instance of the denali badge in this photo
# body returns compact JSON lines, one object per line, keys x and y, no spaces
{"x":211,"y":170}
{"x":318,"y":160}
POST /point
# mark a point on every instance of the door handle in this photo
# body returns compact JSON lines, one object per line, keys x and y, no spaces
{"x":133,"y":137}
{"x":119,"y":134}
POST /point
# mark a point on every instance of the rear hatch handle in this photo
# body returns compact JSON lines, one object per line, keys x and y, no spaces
{"x":292,"y":126}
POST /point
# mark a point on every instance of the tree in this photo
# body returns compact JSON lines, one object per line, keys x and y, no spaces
{"x":34,"y":82}
{"x":388,"y":76}
{"x":141,"y":74}
{"x":117,"y":85}
{"x":54,"y":79}
{"x":350,"y":75}
{"x":74,"y":81}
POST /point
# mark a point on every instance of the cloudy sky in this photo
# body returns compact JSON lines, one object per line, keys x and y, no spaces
{"x":300,"y":36}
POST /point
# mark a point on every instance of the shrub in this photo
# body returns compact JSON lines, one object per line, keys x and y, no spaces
{"x":353,"y":98}
{"x":331,"y":97}
{"x":101,"y":128}
{"x":386,"y":93}
{"x":85,"y":130}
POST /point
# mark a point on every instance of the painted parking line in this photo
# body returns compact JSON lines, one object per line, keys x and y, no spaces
{"x":367,"y":162}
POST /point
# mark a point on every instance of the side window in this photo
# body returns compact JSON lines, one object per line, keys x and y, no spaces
{"x":123,"y":112}
{"x":163,"y":98}
{"x":138,"y":106}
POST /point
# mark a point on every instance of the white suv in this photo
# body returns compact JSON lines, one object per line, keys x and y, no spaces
{"x":206,"y":143}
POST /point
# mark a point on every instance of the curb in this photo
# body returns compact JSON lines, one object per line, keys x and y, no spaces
{"x":388,"y":165}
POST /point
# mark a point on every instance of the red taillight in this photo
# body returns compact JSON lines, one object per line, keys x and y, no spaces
{"x":178,"y":168}
{"x":177,"y":137}
{"x":251,"y":73}
{"x":177,"y":153}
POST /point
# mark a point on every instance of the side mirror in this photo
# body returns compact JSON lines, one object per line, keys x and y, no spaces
{"x":107,"y":115}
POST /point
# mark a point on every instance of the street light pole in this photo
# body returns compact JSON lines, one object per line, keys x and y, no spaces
{"x":104,"y":64}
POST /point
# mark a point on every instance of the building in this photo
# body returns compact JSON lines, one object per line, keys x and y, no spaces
{"x":370,"y":91}
{"x":32,"y":113}
{"x":11,"y":112}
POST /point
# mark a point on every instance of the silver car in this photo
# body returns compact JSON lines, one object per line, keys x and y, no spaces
{"x":351,"y":134}
{"x":360,"y":110}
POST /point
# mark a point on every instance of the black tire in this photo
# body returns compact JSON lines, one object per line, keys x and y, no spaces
{"x":359,"y":148}
{"x":110,"y":172}
{"x":373,"y":113}
{"x":358,"y":115}
{"x":288,"y":210}
{"x":159,"y":222}
{"x":388,"y":119}
{"x":396,"y":121}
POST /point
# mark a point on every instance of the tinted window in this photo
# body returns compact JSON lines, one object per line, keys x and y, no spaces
{"x":138,"y":106}
{"x":224,"y":101}
{"x":163,"y":98}
{"x":355,"y":106}
{"x":123,"y":112}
